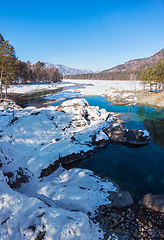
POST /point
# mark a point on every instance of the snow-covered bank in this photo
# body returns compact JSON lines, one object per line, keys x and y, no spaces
{"x":111,"y":89}
{"x":92,"y":87}
{"x":61,"y":204}
{"x":118,"y":92}
{"x":54,"y":212}
{"x":58,"y":206}
{"x":42,"y":137}
{"x":28,"y":88}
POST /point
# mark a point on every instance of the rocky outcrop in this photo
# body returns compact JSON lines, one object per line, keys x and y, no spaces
{"x":119,"y":199}
{"x":64,"y":161}
{"x":118,"y":133}
{"x":154,"y":202}
{"x":17,"y":177}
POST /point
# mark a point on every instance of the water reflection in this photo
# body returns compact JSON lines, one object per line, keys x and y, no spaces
{"x":153,"y":121}
{"x":137,"y":170}
{"x":34,"y":99}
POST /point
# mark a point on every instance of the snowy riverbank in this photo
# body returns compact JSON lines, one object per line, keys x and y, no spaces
{"x":118,"y":92}
{"x":61,"y":204}
{"x":123,"y":90}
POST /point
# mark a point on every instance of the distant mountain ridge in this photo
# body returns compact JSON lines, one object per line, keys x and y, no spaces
{"x":138,"y":64}
{"x":64,"y":70}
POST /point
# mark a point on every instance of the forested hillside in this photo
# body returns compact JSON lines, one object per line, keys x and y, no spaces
{"x":131,"y":70}
{"x":138,"y":64}
{"x":154,"y":76}
{"x":127,"y":75}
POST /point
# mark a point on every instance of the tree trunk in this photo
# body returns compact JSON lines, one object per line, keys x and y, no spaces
{"x":1,"y":78}
{"x":6,"y":93}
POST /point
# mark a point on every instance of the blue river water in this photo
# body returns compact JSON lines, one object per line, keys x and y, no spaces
{"x":137,"y":170}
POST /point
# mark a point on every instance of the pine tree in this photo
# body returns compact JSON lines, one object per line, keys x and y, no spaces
{"x":7,"y":58}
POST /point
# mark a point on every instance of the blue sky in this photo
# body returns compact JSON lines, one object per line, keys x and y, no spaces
{"x":93,"y":35}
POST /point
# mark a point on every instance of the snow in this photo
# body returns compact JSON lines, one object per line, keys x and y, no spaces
{"x":101,"y":136}
{"x":39,"y":137}
{"x":57,"y":205}
{"x":27,"y":88}
{"x":145,"y":133}
{"x":107,"y":88}
{"x":92,"y":88}
{"x":63,"y":95}
{"x":24,"y":217}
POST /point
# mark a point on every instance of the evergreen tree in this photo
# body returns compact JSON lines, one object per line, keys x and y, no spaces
{"x":39,"y":66}
{"x":22,"y":70}
{"x":159,"y":72}
{"x":7,"y":58}
{"x":154,"y":75}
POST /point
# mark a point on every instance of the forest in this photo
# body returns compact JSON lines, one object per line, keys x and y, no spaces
{"x":124,"y":75}
{"x":14,"y":71}
{"x":154,"y":76}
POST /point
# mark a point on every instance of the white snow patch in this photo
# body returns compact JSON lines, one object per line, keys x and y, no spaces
{"x":24,"y":217}
{"x":101,"y":136}
{"x":65,"y":94}
{"x":146,"y":133}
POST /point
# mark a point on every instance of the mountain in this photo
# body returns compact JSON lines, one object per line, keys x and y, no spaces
{"x":138,"y":64}
{"x":67,"y":70}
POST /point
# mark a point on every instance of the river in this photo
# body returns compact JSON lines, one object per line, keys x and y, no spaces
{"x":139,"y":170}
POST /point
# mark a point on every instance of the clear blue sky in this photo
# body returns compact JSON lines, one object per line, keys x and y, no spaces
{"x":86,"y":34}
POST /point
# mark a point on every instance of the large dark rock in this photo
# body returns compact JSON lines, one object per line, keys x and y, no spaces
{"x":154,"y":202}
{"x":121,"y":199}
{"x":64,"y":161}
{"x":132,"y":136}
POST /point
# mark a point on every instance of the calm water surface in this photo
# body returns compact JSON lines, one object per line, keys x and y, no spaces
{"x":137,"y":170}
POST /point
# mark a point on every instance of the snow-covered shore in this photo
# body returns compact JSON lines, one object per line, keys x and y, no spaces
{"x":56,"y":206}
{"x":92,"y":87}
{"x":59,"y":205}
{"x":123,"y":90}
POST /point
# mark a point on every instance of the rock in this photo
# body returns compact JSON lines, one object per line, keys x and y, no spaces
{"x":154,"y":202}
{"x":106,"y":235}
{"x":102,"y":208}
{"x":131,"y":136}
{"x":137,"y":137}
{"x":64,"y":161}
{"x":121,"y":199}
{"x":113,"y":215}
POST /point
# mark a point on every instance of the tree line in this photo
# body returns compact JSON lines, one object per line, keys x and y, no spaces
{"x":14,"y":71}
{"x":154,"y":76}
{"x":124,"y":75}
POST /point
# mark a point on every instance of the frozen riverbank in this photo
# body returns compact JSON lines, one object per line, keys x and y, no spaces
{"x":118,"y":92}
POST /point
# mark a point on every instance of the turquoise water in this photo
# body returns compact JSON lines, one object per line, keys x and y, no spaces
{"x":138,"y":170}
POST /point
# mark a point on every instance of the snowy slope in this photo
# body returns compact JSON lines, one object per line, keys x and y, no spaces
{"x":24,"y":217}
{"x":64,"y":70}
